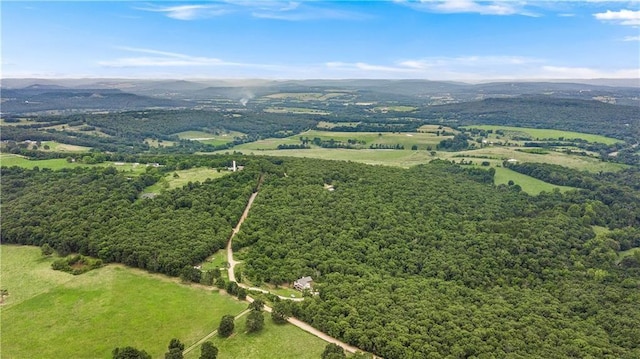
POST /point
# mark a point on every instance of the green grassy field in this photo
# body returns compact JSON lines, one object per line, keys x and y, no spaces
{"x":62,"y":147}
{"x":395,"y":108}
{"x":56,"y":164}
{"x":157,"y":143}
{"x":578,"y":162}
{"x":532,"y":186}
{"x":408,"y":139}
{"x":209,"y":138}
{"x":274,"y":341}
{"x":199,"y":174}
{"x":55,"y":315}
{"x":215,"y":261}
{"x":59,"y":163}
{"x":325,"y":124}
{"x":549,"y":134}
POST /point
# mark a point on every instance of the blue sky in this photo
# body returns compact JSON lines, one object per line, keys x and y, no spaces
{"x":430,"y":39}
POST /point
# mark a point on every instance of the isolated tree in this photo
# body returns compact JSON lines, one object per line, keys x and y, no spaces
{"x":221,"y":283}
{"x":280,"y":313}
{"x":130,"y":353}
{"x":46,"y":249}
{"x":257,"y":305}
{"x":232,"y":288}
{"x":226,"y":326}
{"x":255,"y":321}
{"x":173,"y":353}
{"x":333,"y":351}
{"x":175,"y":343}
{"x":175,"y":349}
{"x":208,"y":351}
{"x":242,"y":293}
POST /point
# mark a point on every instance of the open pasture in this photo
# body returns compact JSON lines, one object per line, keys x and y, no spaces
{"x":577,"y":162}
{"x":10,"y":160}
{"x":273,"y":341}
{"x":63,"y":147}
{"x":86,"y":316}
{"x":407,"y":139}
{"x":530,"y":185}
{"x":539,"y":134}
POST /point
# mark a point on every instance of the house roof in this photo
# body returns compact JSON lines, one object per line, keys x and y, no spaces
{"x":304,"y":281}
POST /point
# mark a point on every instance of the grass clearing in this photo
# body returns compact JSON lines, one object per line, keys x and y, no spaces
{"x":396,"y":158}
{"x":10,"y":160}
{"x":88,"y":315}
{"x":198,"y":174}
{"x":325,"y":124}
{"x":395,"y":108}
{"x":158,"y":143}
{"x":214,"y":139}
{"x":537,"y":133}
{"x":407,"y":139}
{"x":501,"y":153}
{"x":215,"y":261}
{"x":273,"y":341}
{"x":530,"y":185}
{"x":63,"y":147}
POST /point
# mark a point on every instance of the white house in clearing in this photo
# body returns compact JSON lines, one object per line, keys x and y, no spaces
{"x":303,"y":283}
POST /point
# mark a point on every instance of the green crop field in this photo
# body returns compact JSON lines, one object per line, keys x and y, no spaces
{"x":274,"y":341}
{"x":51,"y":314}
{"x":537,"y":133}
{"x":199,"y":174}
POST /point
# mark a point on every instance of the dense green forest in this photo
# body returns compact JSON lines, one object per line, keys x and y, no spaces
{"x":426,"y":262}
{"x":97,"y":212}
{"x":436,"y":261}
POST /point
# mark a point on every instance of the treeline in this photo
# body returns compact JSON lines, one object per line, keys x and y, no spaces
{"x":436,"y":261}
{"x":96,"y":212}
{"x":614,"y":197}
{"x":617,"y":121}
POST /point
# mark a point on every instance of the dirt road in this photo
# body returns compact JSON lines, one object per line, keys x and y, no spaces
{"x":232,"y":262}
{"x":232,"y":277}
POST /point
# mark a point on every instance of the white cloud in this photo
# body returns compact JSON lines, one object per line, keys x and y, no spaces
{"x":631,"y":38}
{"x":472,"y":68}
{"x":172,"y":59}
{"x":622,"y":17}
{"x":277,"y":10}
{"x":587,"y":73}
{"x":190,"y":12}
{"x":470,"y":6}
